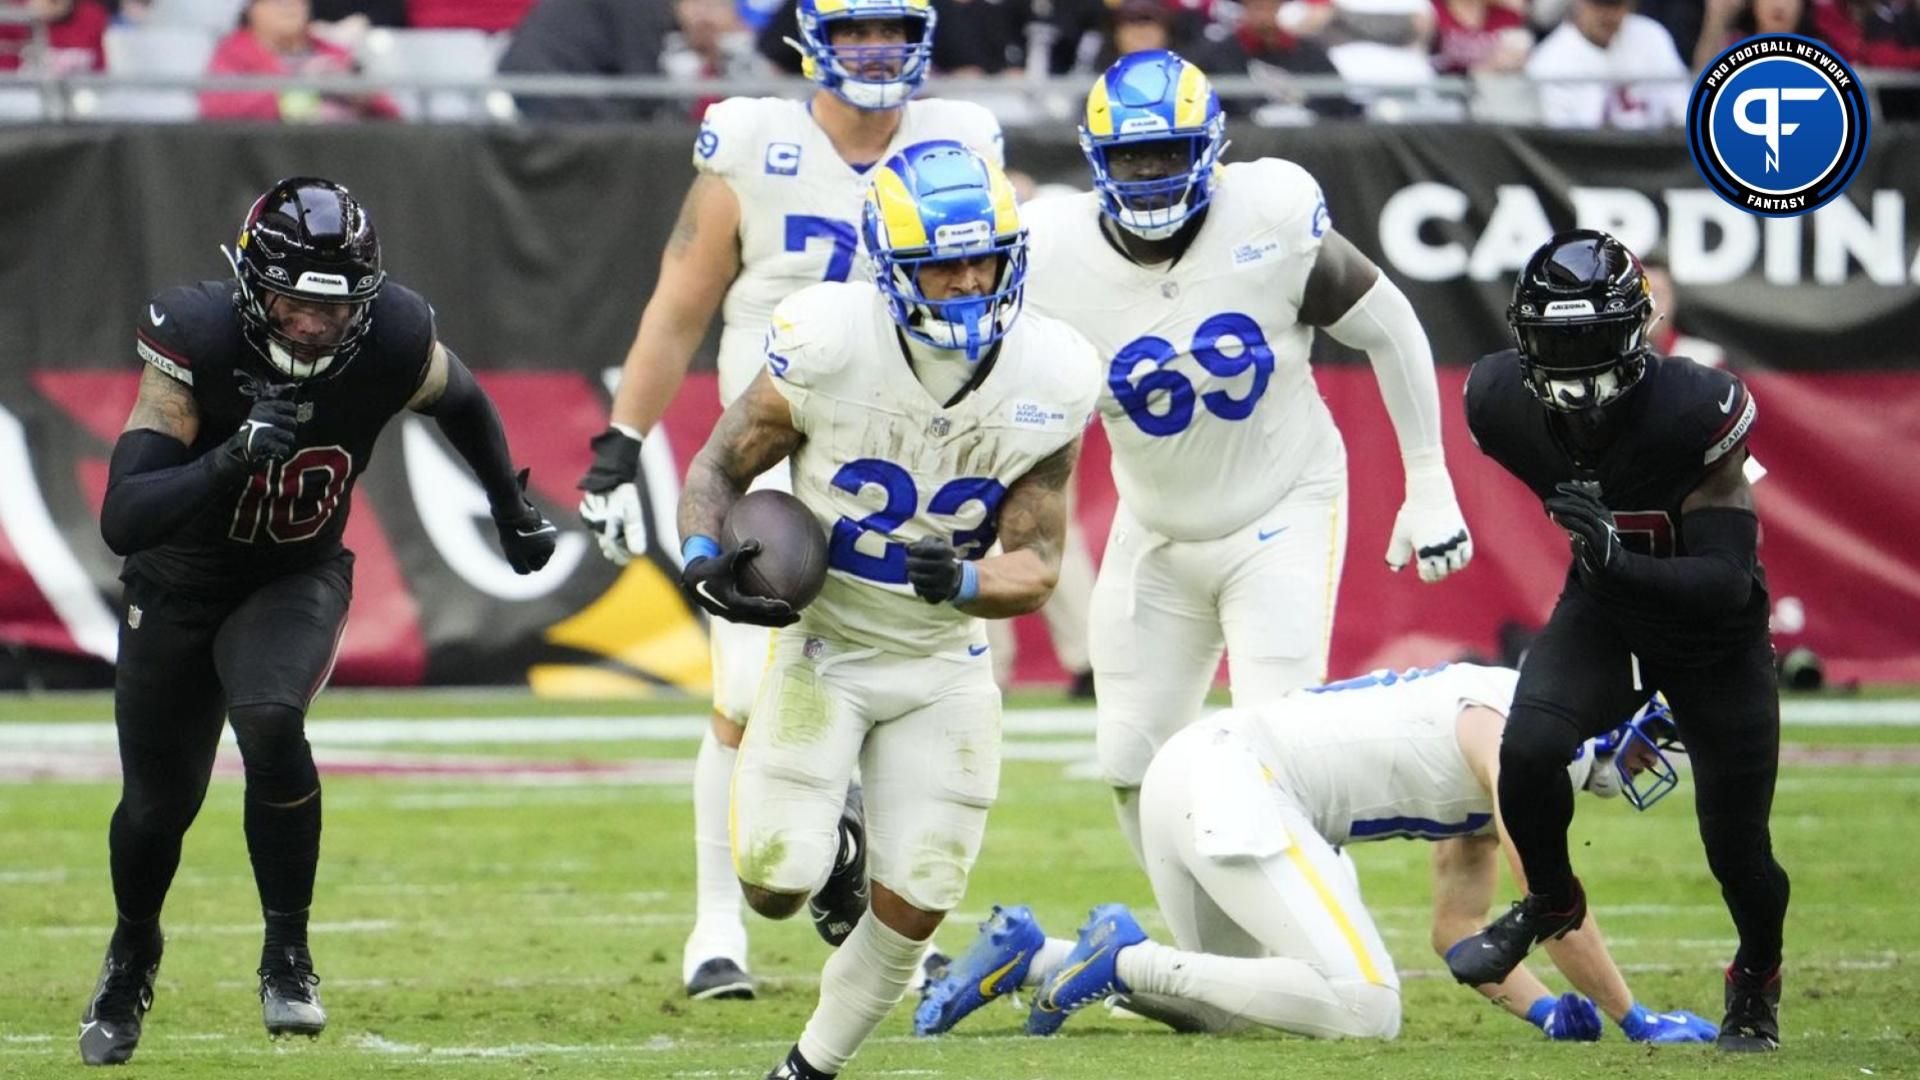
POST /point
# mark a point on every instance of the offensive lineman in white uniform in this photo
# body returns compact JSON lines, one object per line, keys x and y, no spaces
{"x":774,"y":208}
{"x":1241,"y":812}
{"x":1200,"y":284}
{"x":921,"y":419}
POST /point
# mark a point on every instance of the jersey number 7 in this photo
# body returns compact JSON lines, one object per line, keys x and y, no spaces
{"x":802,"y":228}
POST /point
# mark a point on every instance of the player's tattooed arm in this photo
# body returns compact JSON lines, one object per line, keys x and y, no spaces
{"x":165,"y":405}
{"x":753,"y":435}
{"x":699,"y":263}
{"x":1033,"y":533}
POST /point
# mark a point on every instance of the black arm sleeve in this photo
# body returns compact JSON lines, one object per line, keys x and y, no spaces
{"x":1717,"y":573}
{"x":470,"y":422}
{"x":155,"y":486}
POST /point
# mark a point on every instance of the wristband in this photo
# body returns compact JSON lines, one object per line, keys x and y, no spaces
{"x":697,"y":547}
{"x":969,"y":584}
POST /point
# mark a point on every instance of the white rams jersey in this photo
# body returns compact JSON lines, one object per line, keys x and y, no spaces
{"x":1378,"y":756}
{"x":883,"y":464}
{"x":1211,"y":407}
{"x":800,"y":205}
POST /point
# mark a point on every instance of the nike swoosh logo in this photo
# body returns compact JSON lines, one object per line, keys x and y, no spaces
{"x":986,"y":984}
{"x":1266,"y":536}
{"x":88,"y":1026}
{"x":154,"y":314}
{"x":701,"y":588}
{"x":976,"y":650}
{"x":1065,"y":975}
{"x":542,"y":530}
{"x":1727,"y":405}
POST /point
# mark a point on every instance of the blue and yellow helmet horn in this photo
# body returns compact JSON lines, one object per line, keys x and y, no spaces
{"x":1154,"y":97}
{"x":935,"y":202}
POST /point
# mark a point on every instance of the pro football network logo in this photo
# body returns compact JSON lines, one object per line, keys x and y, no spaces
{"x":1777,"y":125}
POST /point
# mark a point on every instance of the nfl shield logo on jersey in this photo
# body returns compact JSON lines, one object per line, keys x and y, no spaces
{"x":939,"y":426}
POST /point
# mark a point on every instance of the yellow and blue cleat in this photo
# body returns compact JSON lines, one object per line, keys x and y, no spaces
{"x":1090,"y":972}
{"x":993,"y":966}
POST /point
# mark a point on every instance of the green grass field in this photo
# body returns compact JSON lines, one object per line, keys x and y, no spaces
{"x":471,"y":927}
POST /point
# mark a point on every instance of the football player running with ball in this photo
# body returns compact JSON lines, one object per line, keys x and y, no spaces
{"x":924,"y":417}
{"x":1201,"y":285}
{"x":259,"y":406}
{"x":1642,"y":459}
{"x":1241,"y":812}
{"x":774,"y":208}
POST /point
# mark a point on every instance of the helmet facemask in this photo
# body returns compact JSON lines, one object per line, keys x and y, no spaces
{"x":873,"y":77}
{"x":1631,"y":759}
{"x":1162,"y":200}
{"x":970,"y":324}
{"x":1577,"y":364}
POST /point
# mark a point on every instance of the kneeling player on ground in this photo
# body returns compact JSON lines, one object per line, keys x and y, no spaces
{"x":228,"y":493}
{"x":923,"y":415}
{"x":1241,"y":812}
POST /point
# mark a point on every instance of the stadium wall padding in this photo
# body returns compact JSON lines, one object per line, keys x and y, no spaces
{"x":538,"y":248}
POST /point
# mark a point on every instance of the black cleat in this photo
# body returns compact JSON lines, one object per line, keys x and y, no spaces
{"x":720,"y":979}
{"x":843,"y":899}
{"x":110,"y":1028}
{"x":290,"y":994}
{"x":1753,"y":1012}
{"x":796,"y":1068}
{"x":1081,"y":688}
{"x":1491,"y":955}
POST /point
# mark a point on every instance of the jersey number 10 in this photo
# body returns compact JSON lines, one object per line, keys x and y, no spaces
{"x":295,"y":498}
{"x":1160,"y":402}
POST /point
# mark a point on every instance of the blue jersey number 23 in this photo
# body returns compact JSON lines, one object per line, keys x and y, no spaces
{"x":1172,"y":411}
{"x":903,"y":498}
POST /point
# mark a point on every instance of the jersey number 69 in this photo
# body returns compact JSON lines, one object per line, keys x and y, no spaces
{"x":1160,"y":402}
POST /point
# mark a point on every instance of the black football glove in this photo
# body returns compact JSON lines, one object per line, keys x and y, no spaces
{"x":1576,"y":507}
{"x":610,"y":509}
{"x":526,"y":536}
{"x":713,"y":583}
{"x":933,"y":568}
{"x":266,"y":435}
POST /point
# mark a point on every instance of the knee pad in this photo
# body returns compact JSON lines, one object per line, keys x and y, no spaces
{"x":273,"y":747}
{"x":1375,"y":1010}
{"x":1124,"y":750}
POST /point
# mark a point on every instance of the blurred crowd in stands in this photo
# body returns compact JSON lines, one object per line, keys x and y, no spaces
{"x":1398,"y":43}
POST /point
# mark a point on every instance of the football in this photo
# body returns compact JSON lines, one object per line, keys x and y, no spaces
{"x":792,"y":564}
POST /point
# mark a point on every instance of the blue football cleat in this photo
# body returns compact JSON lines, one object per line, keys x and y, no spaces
{"x":1089,"y":973}
{"x":995,"y":964}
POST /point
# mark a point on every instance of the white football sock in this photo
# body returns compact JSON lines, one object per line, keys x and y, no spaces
{"x":862,"y":981}
{"x":718,"y":929}
{"x":1274,"y":991}
{"x":1051,"y":955}
{"x":1126,"y":808}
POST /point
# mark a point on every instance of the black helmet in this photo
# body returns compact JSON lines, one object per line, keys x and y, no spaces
{"x":1579,"y":316}
{"x":308,"y":239}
